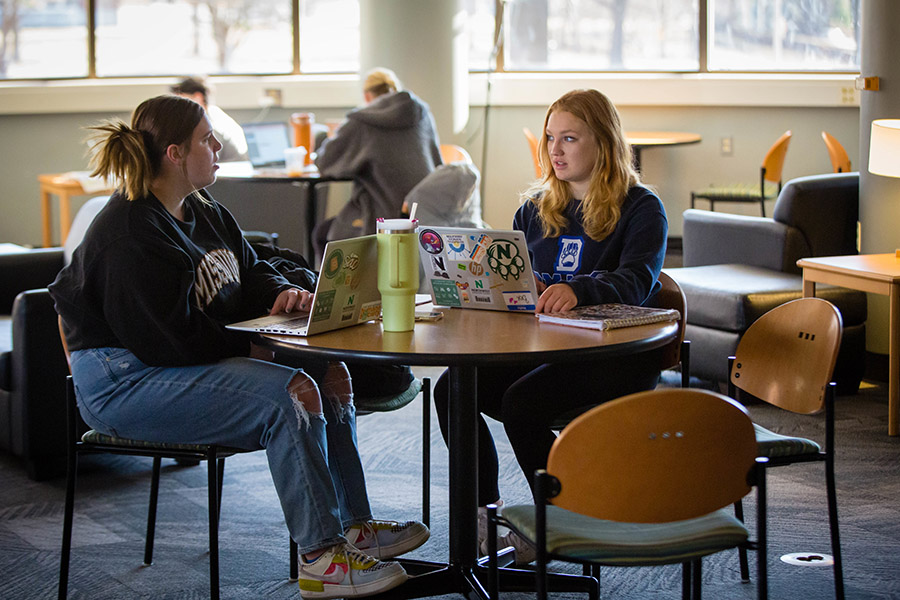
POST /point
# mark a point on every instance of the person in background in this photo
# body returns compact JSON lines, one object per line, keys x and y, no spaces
{"x":144,"y":303}
{"x":387,"y":147}
{"x":227,"y":130}
{"x":595,"y":235}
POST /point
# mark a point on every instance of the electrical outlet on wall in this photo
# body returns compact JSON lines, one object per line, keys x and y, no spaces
{"x":727,"y":146}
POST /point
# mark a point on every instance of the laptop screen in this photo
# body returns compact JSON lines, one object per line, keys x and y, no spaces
{"x":266,"y":143}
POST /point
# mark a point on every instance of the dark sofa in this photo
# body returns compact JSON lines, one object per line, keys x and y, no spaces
{"x":737,"y":267}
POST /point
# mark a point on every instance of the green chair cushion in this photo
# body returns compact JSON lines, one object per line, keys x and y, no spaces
{"x":584,"y":538}
{"x":388,"y":403}
{"x":742,"y":191}
{"x":775,"y":445}
{"x":95,"y":437}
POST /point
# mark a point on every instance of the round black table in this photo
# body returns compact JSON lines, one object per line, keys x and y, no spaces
{"x":462,"y":341}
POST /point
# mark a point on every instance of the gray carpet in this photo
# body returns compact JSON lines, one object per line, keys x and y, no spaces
{"x":112,"y":500}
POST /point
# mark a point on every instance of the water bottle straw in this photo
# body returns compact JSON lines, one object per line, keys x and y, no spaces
{"x":412,"y":212}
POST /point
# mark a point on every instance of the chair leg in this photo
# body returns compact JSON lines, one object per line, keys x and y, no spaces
{"x":693,"y":199}
{"x":835,"y":532}
{"x":426,"y":451}
{"x":762,"y":585}
{"x":66,"y":552}
{"x":686,"y":581}
{"x":213,"y":494}
{"x":697,"y":579}
{"x":686,"y":364}
{"x":220,"y":465}
{"x":493,"y":567}
{"x":294,"y":559}
{"x":742,"y":551}
{"x":151,"y":513}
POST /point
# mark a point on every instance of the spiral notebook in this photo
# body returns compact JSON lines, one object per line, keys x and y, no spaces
{"x":610,"y":316}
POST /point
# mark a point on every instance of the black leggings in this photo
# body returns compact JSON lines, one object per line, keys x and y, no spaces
{"x":527,"y":400}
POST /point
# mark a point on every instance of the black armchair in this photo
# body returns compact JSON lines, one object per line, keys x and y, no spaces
{"x":32,"y":363}
{"x":736,"y":268}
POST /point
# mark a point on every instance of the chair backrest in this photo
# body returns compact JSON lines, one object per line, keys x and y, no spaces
{"x":451,"y":153}
{"x":535,"y":151}
{"x":83,"y":219}
{"x":654,"y":457}
{"x":62,"y":338}
{"x":786,"y":357}
{"x":773,"y":162}
{"x":672,"y":296}
{"x":840,"y":162}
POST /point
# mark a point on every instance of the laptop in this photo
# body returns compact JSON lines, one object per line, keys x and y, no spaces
{"x":346,"y":293}
{"x":266,"y":143}
{"x":487,"y":269}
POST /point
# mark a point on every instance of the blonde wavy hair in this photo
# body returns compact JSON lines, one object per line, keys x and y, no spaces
{"x":611,"y":176}
{"x":380,"y":81}
{"x":130,"y":156}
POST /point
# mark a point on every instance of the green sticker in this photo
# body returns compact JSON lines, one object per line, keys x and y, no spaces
{"x":324,"y":305}
{"x":445,"y":293}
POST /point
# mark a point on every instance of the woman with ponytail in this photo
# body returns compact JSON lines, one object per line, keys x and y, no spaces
{"x":595,"y":235}
{"x":144,"y":303}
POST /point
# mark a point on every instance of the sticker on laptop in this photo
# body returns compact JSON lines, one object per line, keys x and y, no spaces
{"x":521,"y":300}
{"x":482,"y":243}
{"x":332,"y":264}
{"x":324,"y":304}
{"x":369,"y":311}
{"x":505,"y":260}
{"x":456,"y":246}
{"x":445,"y":292}
{"x":431,"y":241}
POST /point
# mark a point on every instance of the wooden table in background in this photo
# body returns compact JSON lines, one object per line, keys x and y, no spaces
{"x":64,"y":187}
{"x":651,"y":139}
{"x":876,"y":274}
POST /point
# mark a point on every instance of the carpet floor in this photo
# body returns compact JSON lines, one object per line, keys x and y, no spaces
{"x":112,"y":499}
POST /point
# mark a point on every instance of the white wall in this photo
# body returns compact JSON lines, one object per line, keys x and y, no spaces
{"x":41,"y":128}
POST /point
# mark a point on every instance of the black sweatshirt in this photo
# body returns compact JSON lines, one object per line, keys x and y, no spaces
{"x":163,"y":288}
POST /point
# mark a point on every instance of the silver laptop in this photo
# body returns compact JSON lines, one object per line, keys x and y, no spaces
{"x":346,"y":293}
{"x":477,"y":268}
{"x":266,"y":143}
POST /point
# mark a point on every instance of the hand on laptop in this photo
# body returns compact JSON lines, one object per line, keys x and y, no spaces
{"x":556,"y":298}
{"x":293,"y":299}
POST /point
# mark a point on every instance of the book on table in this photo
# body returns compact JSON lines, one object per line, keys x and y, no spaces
{"x":610,"y":316}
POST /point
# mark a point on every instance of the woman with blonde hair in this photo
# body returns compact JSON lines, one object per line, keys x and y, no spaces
{"x":144,"y":306}
{"x":595,"y":235}
{"x":386,"y":147}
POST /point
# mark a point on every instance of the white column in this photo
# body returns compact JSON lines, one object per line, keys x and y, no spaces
{"x":879,"y":202}
{"x":425,"y":43}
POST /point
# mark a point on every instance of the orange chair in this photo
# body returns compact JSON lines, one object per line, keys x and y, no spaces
{"x":535,"y":151}
{"x":451,"y":153}
{"x":840,"y":162}
{"x":769,"y":181}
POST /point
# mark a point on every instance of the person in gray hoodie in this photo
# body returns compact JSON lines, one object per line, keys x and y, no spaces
{"x":387,"y":147}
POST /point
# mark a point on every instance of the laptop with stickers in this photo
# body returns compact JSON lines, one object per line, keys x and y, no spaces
{"x":488,"y":269}
{"x":346,"y":293}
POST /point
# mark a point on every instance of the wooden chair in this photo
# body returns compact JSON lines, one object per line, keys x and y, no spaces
{"x":535,"y":151}
{"x":769,"y":181}
{"x":840,"y":162}
{"x":451,"y":153}
{"x":94,"y":442}
{"x":365,"y":406}
{"x":786,"y":359}
{"x":663,"y":466}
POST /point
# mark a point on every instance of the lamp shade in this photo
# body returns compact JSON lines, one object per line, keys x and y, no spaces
{"x":884,"y":148}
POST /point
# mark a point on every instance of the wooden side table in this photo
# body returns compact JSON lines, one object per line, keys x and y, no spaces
{"x":63,"y":187}
{"x":876,"y":274}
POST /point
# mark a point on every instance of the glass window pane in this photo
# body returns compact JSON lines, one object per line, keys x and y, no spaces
{"x":142,"y":37}
{"x":784,"y":35}
{"x":481,"y":33}
{"x":41,"y":39}
{"x":329,"y":36}
{"x":602,"y":35}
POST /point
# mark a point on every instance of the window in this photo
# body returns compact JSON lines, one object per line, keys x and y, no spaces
{"x":784,"y":35}
{"x":42,"y":39}
{"x":602,"y":35}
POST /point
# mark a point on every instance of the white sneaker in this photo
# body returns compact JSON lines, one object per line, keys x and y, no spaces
{"x":483,"y":524}
{"x":525,"y":552}
{"x":342,"y":571}
{"x":387,"y":539}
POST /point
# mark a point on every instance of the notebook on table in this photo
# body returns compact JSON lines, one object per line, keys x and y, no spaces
{"x":487,"y":269}
{"x":266,"y":143}
{"x":346,"y":293}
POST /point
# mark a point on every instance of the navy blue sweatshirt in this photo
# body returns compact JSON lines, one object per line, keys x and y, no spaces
{"x":163,"y":288}
{"x":623,"y":267}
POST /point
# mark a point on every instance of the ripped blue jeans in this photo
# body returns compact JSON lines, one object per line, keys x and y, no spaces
{"x":242,"y":403}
